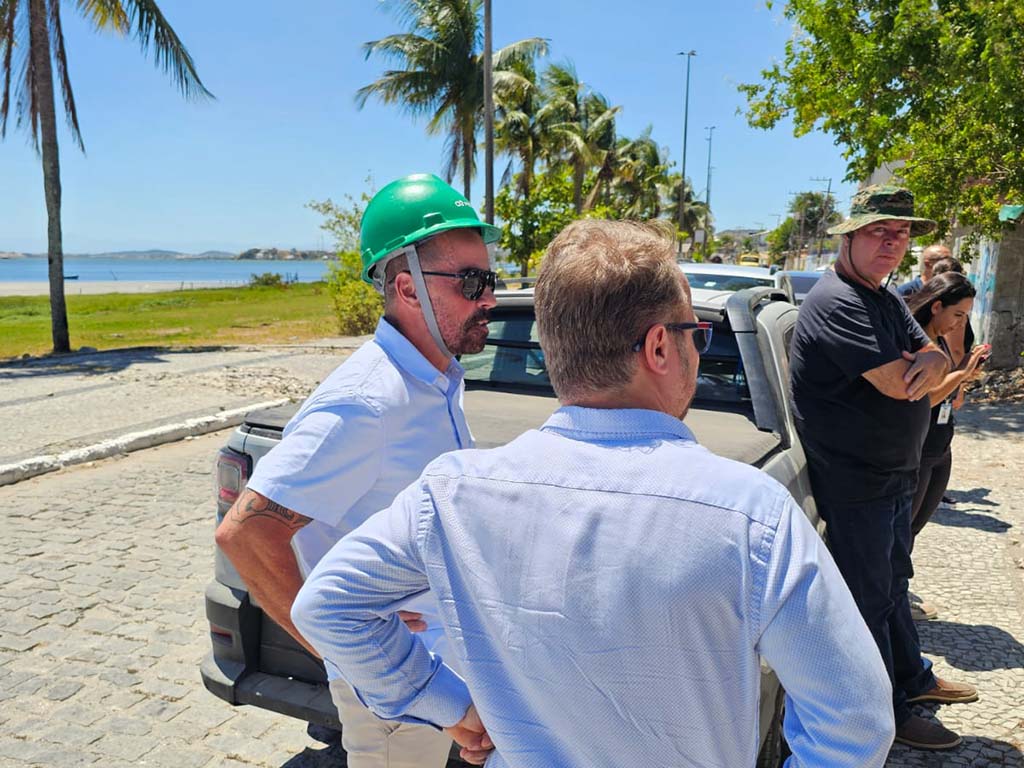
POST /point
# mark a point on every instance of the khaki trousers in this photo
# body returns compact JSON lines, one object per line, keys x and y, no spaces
{"x":374,"y":743}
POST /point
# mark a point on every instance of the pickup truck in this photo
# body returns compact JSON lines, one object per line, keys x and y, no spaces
{"x":741,"y":411}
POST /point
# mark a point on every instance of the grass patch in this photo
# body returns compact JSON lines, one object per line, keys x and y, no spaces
{"x":207,"y":316}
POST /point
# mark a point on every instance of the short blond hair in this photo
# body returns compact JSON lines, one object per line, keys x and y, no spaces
{"x":601,"y":285}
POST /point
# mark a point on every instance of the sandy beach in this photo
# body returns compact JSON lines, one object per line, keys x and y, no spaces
{"x":76,"y":288}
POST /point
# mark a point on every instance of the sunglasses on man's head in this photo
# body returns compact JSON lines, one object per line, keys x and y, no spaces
{"x":701,"y":335}
{"x":474,"y":281}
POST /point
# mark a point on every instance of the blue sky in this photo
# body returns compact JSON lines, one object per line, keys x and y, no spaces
{"x":236,"y":172}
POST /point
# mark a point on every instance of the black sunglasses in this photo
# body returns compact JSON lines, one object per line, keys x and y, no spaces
{"x":474,"y":281}
{"x":701,"y":335}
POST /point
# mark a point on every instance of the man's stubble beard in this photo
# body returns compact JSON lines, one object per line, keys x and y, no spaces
{"x":470,"y":339}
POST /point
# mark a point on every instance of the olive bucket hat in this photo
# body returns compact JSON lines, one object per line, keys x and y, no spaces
{"x":410,"y":209}
{"x":883,"y":202}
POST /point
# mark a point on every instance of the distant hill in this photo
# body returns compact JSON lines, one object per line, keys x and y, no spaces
{"x":257,"y":254}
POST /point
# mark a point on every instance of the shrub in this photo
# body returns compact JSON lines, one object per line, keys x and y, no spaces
{"x":267,"y":280}
{"x":357,"y":305}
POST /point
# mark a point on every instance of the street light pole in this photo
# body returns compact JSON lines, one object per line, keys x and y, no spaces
{"x":707,"y":192}
{"x":686,"y":121}
{"x":488,"y":119}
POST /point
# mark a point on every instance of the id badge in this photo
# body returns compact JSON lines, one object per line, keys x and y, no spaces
{"x":944,"y":412}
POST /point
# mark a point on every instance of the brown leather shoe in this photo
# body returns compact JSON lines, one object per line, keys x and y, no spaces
{"x":923,"y":611}
{"x":926,"y":734}
{"x":947,"y":692}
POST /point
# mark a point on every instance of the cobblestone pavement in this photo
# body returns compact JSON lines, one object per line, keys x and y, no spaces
{"x":969,"y":562}
{"x":102,"y":570}
{"x":69,"y":397}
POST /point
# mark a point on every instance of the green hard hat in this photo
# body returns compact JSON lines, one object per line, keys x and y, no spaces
{"x":410,"y":209}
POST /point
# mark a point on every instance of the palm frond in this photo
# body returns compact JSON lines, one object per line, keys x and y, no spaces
{"x":8,"y":15}
{"x":405,"y":48}
{"x":105,"y":14}
{"x":452,"y":152}
{"x":27,"y":106}
{"x":522,"y":50}
{"x":151,"y":28}
{"x":414,"y":89}
{"x":60,"y":59}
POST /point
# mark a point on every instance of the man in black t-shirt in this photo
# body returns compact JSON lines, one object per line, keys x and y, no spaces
{"x":861,"y":372}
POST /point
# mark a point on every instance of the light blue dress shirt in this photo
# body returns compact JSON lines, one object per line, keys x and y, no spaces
{"x":366,"y":432}
{"x":608,"y":588}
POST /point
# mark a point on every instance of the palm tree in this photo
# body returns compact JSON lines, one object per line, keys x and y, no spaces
{"x":693,"y":215}
{"x":441,"y":73}
{"x":605,"y":149}
{"x":32,"y":28}
{"x":521,"y":132}
{"x":640,"y":175}
{"x":580,"y":123}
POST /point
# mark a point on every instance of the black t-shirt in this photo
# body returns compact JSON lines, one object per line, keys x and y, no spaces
{"x":860,"y":444}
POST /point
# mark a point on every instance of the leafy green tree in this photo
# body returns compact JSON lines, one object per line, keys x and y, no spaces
{"x":782,"y":239}
{"x":33,"y":29}
{"x":817,"y":211}
{"x":440,"y":73}
{"x":939,"y":85}
{"x":357,"y":305}
{"x":531,"y":223}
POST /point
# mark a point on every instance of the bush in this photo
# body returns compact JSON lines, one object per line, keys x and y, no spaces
{"x":266,"y":280}
{"x":357,"y":305}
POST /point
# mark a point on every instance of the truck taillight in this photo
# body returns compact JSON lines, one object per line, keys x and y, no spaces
{"x":232,"y":475}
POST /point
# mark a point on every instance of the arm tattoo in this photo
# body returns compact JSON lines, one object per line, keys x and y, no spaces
{"x":253,"y":505}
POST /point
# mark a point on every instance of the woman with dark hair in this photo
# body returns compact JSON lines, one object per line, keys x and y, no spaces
{"x":942,"y":308}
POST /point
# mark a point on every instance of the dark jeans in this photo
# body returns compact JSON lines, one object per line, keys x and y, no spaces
{"x":932,"y":479}
{"x":870,"y":542}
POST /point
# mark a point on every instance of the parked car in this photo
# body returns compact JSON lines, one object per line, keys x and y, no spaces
{"x":713,"y":283}
{"x":749,"y":260}
{"x":741,"y":411}
{"x":797,"y":284}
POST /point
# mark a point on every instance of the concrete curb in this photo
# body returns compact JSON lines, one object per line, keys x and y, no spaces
{"x":133,"y":441}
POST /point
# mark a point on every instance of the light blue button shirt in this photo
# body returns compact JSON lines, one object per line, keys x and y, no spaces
{"x":366,"y":432}
{"x":608,"y":588}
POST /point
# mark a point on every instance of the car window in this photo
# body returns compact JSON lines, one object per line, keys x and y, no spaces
{"x":721,"y":377}
{"x":727,"y":282}
{"x":512,"y":358}
{"x":512,"y":355}
{"x":803,"y":283}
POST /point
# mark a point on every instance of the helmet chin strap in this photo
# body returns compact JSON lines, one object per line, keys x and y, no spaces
{"x":424,"y":296}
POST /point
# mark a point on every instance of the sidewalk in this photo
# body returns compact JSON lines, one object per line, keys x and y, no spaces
{"x":969,"y":562}
{"x":81,"y":406}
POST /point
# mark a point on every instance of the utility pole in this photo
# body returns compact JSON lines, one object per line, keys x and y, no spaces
{"x":686,"y":122}
{"x":826,"y":209}
{"x":707,"y":193}
{"x":488,"y":119}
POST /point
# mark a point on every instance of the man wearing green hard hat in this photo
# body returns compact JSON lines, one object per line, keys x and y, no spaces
{"x":368,"y":431}
{"x":862,"y":371}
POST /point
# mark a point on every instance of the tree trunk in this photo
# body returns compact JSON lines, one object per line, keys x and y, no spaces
{"x":39,"y":51}
{"x":468,"y":153}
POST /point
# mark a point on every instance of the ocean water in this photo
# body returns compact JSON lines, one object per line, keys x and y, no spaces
{"x":226,"y":271}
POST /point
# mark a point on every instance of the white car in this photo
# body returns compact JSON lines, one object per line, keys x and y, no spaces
{"x":714,"y":283}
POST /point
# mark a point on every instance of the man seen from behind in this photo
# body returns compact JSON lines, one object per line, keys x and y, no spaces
{"x":609,"y":586}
